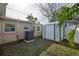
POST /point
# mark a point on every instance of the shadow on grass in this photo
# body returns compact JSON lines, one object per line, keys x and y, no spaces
{"x":1,"y":51}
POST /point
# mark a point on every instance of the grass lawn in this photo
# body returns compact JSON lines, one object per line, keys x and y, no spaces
{"x":61,"y":49}
{"x":25,"y":49}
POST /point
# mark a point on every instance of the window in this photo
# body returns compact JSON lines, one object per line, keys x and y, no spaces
{"x":26,"y":28}
{"x":34,"y":29}
{"x":38,"y":28}
{"x":9,"y":28}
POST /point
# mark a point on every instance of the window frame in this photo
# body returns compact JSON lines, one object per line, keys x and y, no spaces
{"x":34,"y":29}
{"x":4,"y":23}
{"x":37,"y":28}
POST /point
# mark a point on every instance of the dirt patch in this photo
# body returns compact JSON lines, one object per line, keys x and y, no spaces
{"x":59,"y":50}
{"x":25,"y":49}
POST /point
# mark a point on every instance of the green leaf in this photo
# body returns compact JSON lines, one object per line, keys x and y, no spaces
{"x":64,"y":15}
{"x":68,"y":13}
{"x":71,"y":38}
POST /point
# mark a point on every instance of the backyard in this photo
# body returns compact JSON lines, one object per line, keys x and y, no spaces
{"x":61,"y":49}
{"x":39,"y":46}
{"x":25,"y":49}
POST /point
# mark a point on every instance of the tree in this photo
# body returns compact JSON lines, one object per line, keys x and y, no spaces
{"x":47,"y":10}
{"x":68,"y":13}
{"x":32,"y":19}
{"x":50,"y":10}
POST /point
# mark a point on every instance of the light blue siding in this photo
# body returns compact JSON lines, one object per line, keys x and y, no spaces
{"x":52,"y":33}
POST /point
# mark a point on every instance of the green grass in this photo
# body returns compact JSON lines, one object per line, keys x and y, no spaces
{"x":61,"y":49}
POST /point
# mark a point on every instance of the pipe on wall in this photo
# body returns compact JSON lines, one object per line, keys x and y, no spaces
{"x":17,"y":25}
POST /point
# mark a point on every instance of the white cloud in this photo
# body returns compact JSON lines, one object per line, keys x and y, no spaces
{"x":21,"y":10}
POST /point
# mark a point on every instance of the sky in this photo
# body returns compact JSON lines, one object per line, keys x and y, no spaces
{"x":22,"y":10}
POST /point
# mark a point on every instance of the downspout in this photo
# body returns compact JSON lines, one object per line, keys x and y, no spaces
{"x":64,"y":30}
{"x":1,"y":32}
{"x":54,"y":32}
{"x":60,"y":34}
{"x":17,"y":26}
{"x":45,"y":31}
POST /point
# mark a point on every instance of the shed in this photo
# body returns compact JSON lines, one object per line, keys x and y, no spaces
{"x":51,"y":31}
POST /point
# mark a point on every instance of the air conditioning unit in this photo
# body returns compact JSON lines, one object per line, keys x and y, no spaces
{"x":29,"y":35}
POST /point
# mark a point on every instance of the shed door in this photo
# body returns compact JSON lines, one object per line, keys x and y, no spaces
{"x":57,"y":33}
{"x":50,"y":32}
{"x":44,"y":32}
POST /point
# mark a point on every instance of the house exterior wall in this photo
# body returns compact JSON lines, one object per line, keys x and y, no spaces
{"x":6,"y":37}
{"x":20,"y":30}
{"x":37,"y":33}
